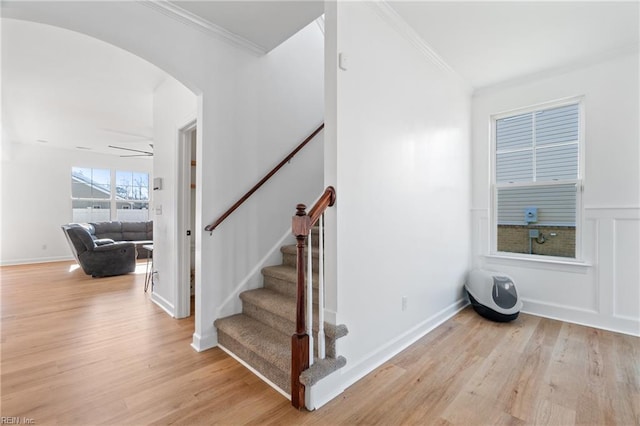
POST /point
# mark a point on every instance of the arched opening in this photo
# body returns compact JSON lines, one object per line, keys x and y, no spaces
{"x":74,"y":101}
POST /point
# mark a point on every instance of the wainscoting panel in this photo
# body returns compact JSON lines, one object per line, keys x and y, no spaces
{"x":626,"y":284}
{"x":601,"y":291}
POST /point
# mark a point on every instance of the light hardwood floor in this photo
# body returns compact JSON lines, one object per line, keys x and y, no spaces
{"x":78,"y":350}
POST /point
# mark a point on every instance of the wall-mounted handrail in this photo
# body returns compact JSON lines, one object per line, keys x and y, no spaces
{"x":301,"y":344}
{"x":268,"y":176}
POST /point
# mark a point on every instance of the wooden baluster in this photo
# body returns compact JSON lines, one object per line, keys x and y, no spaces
{"x":300,"y":339}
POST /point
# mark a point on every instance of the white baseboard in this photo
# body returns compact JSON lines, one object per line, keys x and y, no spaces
{"x":36,"y":260}
{"x":164,"y":304}
{"x":202,"y":343}
{"x":333,"y":385}
{"x":584,"y":317}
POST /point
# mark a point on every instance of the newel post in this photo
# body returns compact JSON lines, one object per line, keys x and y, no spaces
{"x":301,"y":226}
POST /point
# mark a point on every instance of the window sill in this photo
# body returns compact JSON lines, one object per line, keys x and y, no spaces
{"x":542,"y":262}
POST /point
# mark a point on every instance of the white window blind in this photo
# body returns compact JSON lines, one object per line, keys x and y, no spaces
{"x":537,"y":164}
{"x":538,"y":146}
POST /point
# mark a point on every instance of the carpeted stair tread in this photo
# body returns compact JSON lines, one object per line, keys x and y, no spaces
{"x":275,"y":303}
{"x":279,"y":312}
{"x":261,"y":335}
{"x":264,"y":341}
{"x":286,"y":273}
{"x":320,"y":369}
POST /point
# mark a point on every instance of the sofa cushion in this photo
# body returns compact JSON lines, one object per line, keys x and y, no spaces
{"x":136,"y":231}
{"x":112,"y":230}
{"x":103,"y":241}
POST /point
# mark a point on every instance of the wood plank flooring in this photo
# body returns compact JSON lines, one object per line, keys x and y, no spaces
{"x":83,"y":351}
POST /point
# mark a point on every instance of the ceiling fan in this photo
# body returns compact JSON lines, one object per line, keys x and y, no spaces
{"x":140,"y":152}
{"x":128,"y":137}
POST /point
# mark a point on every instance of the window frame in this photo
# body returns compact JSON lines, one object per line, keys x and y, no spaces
{"x":579,"y":181}
{"x":112,"y":200}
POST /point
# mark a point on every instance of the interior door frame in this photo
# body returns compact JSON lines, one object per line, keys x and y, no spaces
{"x":183,"y":219}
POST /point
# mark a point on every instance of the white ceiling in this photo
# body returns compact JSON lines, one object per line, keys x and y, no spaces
{"x":68,"y":90}
{"x":264,"y":23}
{"x":71,"y":90}
{"x":492,"y":42}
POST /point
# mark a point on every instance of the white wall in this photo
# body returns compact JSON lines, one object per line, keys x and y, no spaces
{"x":174,"y":106}
{"x":251,"y":112}
{"x":606,"y":292}
{"x":277,"y":101}
{"x":36,"y":198}
{"x":400,"y":163}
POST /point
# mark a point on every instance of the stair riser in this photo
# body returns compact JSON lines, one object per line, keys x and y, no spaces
{"x":286,"y":326}
{"x":280,"y":378}
{"x":288,"y":288}
{"x":290,"y":259}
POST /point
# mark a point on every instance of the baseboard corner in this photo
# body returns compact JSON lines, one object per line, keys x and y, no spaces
{"x":201,"y":343}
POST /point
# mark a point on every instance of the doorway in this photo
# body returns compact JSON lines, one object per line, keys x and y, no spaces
{"x":186,"y":220}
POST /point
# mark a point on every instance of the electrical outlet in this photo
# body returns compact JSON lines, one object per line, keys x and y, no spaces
{"x":404,"y":303}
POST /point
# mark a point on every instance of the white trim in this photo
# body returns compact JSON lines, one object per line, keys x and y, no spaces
{"x":325,"y":390}
{"x":194,"y":21}
{"x":256,"y":372}
{"x":584,"y":317}
{"x":52,"y":259}
{"x":529,"y":260}
{"x":182,"y":292}
{"x":202,"y":343}
{"x":394,"y":20}
{"x":555,"y":103}
{"x":163,"y":303}
{"x":612,"y":208}
{"x":625,"y":213}
{"x":580,"y":181}
{"x":243,"y":284}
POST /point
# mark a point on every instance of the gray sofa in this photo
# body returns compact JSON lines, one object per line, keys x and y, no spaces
{"x":108,"y":248}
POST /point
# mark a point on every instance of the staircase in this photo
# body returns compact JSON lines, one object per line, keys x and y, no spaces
{"x":261,"y":334}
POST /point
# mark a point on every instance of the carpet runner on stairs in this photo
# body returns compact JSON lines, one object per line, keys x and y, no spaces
{"x":261,"y":334}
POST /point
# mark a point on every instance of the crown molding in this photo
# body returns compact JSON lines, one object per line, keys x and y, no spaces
{"x":391,"y":17}
{"x":194,"y":21}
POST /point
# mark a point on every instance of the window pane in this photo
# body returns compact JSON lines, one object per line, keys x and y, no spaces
{"x":557,"y":125}
{"x":132,"y":185}
{"x":132,"y":211}
{"x":91,"y":211}
{"x":556,"y":204}
{"x":515,"y":166}
{"x":90,"y":183}
{"x":141,"y":179}
{"x":514,"y":132}
{"x":552,"y":234}
{"x":557,"y":162}
{"x":542,"y":146}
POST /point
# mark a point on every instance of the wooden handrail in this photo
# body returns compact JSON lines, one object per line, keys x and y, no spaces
{"x":301,"y":225}
{"x":257,"y":186}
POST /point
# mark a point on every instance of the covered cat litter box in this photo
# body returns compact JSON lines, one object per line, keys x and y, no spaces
{"x":493,"y":295}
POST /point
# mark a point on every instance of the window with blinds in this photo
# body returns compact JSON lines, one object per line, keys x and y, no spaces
{"x":537,"y":167}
